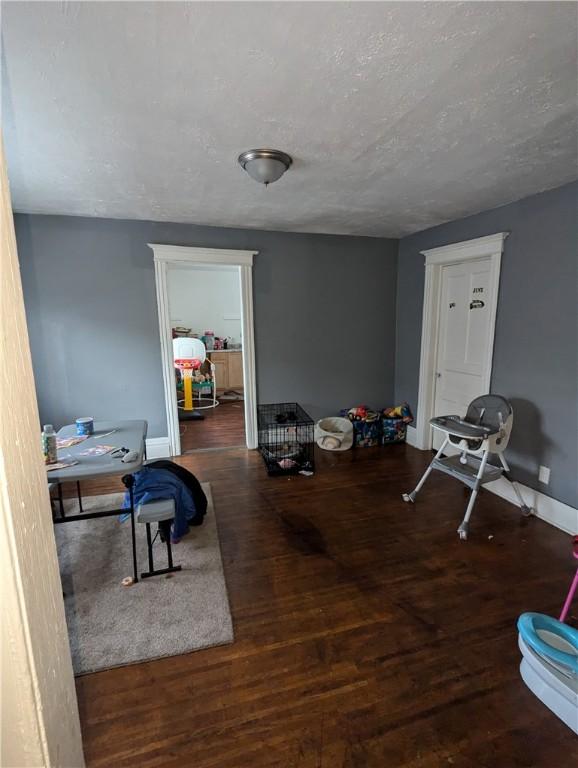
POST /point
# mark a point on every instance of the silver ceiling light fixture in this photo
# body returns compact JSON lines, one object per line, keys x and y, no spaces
{"x":265,"y":165}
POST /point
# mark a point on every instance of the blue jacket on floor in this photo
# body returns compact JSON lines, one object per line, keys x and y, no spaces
{"x":156,"y":484}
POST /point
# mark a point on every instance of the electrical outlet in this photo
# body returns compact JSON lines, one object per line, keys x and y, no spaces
{"x":544,"y":475}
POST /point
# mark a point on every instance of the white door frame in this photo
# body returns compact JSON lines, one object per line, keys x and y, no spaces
{"x":165,"y":255}
{"x":490,"y":247}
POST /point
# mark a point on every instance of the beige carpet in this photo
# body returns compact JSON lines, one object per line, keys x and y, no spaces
{"x":110,"y":625}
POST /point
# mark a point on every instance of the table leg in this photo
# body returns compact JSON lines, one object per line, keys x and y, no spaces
{"x":133,"y":532}
{"x":169,"y":550}
{"x":150,"y":548}
{"x":79,"y":497}
{"x":61,"y":500}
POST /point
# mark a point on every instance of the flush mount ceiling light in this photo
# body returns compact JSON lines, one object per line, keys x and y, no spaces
{"x":265,"y":165}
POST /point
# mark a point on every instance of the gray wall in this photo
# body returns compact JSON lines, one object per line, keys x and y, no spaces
{"x":90,"y":300}
{"x":324,"y":315}
{"x":536,"y":341}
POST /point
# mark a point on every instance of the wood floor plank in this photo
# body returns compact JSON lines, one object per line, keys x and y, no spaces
{"x":366,"y":633}
{"x":222,"y":427}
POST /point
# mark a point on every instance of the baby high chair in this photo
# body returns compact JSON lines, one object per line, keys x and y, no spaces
{"x":189,"y":355}
{"x":485,"y":429}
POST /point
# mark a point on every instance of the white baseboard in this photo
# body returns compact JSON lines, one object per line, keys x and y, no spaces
{"x":546,"y":508}
{"x":158,"y":448}
{"x":411,"y":437}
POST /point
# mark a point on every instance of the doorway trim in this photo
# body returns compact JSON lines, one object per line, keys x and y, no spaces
{"x":164,"y":256}
{"x":491,"y":247}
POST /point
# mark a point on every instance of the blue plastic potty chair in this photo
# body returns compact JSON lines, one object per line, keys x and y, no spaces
{"x":549,"y":665}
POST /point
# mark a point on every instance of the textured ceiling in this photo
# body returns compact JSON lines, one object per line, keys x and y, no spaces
{"x":399,"y":116}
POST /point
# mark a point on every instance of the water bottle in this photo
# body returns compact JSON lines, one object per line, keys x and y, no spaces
{"x":49,"y":444}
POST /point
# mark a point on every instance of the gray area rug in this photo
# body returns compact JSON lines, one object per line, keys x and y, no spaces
{"x":110,"y":625}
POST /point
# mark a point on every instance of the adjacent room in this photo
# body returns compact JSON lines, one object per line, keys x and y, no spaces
{"x":289,"y":445}
{"x":207,"y":298}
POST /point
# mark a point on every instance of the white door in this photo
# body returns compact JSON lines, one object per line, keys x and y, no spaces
{"x":465,"y":338}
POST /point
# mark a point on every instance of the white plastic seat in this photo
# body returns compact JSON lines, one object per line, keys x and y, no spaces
{"x":155,"y":511}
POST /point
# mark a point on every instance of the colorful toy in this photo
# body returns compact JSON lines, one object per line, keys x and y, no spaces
{"x":394,"y":423}
{"x":402,"y":412}
{"x":187,"y":367}
{"x":549,"y":665}
{"x":189,"y":354}
{"x":359,"y":413}
{"x":366,"y":426}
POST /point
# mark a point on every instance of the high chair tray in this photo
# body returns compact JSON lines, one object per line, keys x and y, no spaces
{"x":467,"y":472}
{"x":459,"y":427}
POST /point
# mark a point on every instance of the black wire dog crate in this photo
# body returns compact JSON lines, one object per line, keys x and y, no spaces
{"x":286,"y":438}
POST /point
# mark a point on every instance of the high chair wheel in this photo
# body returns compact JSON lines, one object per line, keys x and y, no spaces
{"x":463,"y":531}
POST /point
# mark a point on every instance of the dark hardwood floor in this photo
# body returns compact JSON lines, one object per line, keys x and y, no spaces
{"x":366,"y":633}
{"x":222,"y":427}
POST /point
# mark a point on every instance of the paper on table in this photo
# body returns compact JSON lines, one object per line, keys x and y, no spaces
{"x":105,"y":434}
{"x":68,"y":442}
{"x":97,"y":450}
{"x":60,"y":465}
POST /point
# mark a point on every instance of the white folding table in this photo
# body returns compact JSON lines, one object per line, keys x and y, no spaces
{"x":130,"y":435}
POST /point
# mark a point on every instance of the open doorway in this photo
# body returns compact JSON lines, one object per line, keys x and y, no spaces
{"x":205,"y":315}
{"x":205,"y":303}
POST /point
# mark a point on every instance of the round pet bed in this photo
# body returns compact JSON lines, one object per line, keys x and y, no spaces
{"x":334,"y":434}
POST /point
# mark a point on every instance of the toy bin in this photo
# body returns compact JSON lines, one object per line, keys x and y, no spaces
{"x":366,"y":426}
{"x":394,"y":423}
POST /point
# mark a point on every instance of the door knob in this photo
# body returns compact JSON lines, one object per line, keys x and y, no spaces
{"x":438,"y":375}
